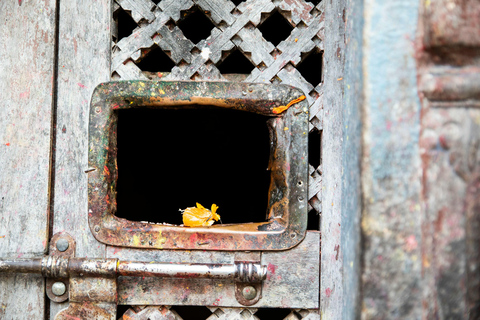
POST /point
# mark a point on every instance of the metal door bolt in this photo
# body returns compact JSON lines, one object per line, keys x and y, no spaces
{"x":59,"y":288}
{"x":249,"y":292}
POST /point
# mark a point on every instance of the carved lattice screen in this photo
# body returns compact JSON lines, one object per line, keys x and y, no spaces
{"x":267,"y":41}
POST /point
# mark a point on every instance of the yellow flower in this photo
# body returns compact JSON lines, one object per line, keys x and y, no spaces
{"x":200,"y":216}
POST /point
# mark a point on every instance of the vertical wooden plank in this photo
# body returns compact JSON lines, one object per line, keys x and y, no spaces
{"x":83,"y":63}
{"x":351,"y":155}
{"x":331,"y":278}
{"x":26,"y":72}
{"x":391,"y":172}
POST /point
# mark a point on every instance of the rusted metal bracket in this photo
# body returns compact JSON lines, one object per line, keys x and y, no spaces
{"x":57,"y":285}
{"x":248,"y":289}
{"x":287,"y":198}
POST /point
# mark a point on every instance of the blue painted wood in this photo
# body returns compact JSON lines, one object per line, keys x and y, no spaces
{"x":391,"y":172}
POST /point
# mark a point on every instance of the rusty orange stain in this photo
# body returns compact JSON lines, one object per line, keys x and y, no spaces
{"x":280,"y":109}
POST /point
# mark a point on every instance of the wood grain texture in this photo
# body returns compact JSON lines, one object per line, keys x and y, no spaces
{"x":331,"y":288}
{"x":26,"y":73}
{"x":83,"y":63}
{"x":351,"y":155}
{"x":391,"y":172}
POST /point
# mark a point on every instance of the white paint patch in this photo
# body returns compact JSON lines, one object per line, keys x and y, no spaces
{"x":206,"y":53}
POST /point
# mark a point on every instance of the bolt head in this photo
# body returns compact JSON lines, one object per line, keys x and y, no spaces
{"x":59,"y":288}
{"x":249,"y":292}
{"x":62,"y":244}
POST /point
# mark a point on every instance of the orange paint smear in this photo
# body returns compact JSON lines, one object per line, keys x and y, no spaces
{"x":280,"y":109}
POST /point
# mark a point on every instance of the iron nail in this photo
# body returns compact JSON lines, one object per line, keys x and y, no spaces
{"x":62,"y":244}
{"x":59,"y":288}
{"x":249,"y":292}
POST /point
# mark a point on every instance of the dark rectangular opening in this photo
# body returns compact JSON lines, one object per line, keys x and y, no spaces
{"x":169,"y":159}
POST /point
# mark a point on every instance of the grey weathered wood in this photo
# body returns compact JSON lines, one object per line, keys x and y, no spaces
{"x":331,"y":277}
{"x":174,"y":42}
{"x":219,"y":10}
{"x":351,"y":148}
{"x":140,"y":9}
{"x":300,"y":40}
{"x":26,"y":72}
{"x":253,"y":43}
{"x":142,"y":37}
{"x":84,"y":62}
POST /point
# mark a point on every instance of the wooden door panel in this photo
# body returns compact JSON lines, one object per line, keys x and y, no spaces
{"x":26,"y":72}
{"x":83,"y":63}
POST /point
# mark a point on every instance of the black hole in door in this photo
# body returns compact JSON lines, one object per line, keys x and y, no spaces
{"x":192,"y":312}
{"x":313,"y":220}
{"x":236,"y":62}
{"x":272,"y":313}
{"x":315,"y":2}
{"x":156,"y":61}
{"x":126,"y":24}
{"x":314,"y":148}
{"x":121,"y":309}
{"x":237,"y":2}
{"x":171,"y":159}
{"x":276,"y":28}
{"x":196,"y":26}
{"x":311,"y":67}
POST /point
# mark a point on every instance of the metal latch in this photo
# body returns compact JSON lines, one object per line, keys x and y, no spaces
{"x":62,"y":268}
{"x":65,"y":267}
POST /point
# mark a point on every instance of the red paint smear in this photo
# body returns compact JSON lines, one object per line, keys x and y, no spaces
{"x":19,"y":2}
{"x":81,"y":85}
{"x":7,"y":144}
{"x":216,"y":302}
{"x":271,"y":268}
{"x":193,"y":238}
{"x":328,"y":292}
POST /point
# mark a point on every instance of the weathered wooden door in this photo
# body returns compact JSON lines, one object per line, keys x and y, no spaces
{"x":76,"y":46}
{"x":392,"y":102}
